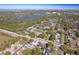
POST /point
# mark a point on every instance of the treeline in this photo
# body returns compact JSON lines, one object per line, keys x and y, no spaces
{"x":19,"y":25}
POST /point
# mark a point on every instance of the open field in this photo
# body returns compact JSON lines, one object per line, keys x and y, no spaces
{"x":6,"y":41}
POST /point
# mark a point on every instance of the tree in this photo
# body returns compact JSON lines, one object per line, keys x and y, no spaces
{"x":77,"y":33}
{"x":34,"y":51}
{"x":50,"y":44}
{"x":27,"y":52}
{"x":52,"y":36}
{"x":64,"y":48}
{"x":42,"y":36}
{"x":32,"y":34}
{"x":49,"y":32}
{"x":70,"y":51}
{"x":37,"y":51}
{"x":77,"y":51}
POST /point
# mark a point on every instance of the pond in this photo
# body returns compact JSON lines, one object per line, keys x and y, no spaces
{"x":31,"y":17}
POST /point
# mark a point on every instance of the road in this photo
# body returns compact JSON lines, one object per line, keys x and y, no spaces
{"x":15,"y":53}
{"x":34,"y":43}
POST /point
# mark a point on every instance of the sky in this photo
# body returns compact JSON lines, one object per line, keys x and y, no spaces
{"x":39,"y":6}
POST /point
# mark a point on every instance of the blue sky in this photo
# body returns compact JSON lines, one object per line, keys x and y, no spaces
{"x":40,"y":6}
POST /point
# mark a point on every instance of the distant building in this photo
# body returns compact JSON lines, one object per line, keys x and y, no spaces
{"x":29,"y":29}
{"x":57,"y":37}
{"x":48,"y":13}
{"x":54,"y":12}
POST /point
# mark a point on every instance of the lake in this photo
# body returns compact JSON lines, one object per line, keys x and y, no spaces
{"x":31,"y":17}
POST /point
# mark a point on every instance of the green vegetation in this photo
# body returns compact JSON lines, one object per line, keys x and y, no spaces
{"x":15,"y":25}
{"x":27,"y":52}
{"x":70,"y":51}
{"x":7,"y":53}
{"x":42,"y":36}
{"x":45,"y":28}
{"x":77,"y":51}
{"x":77,"y":33}
{"x":32,"y":34}
{"x":52,"y":37}
{"x":50,"y":44}
{"x":63,"y":23}
{"x":36,"y":51}
{"x":65,"y":49}
{"x":49,"y":32}
{"x":8,"y":20}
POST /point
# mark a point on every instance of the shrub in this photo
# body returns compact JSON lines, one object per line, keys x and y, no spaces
{"x":52,"y":37}
{"x":42,"y":36}
{"x":32,"y":34}
{"x":27,"y":52}
{"x":36,"y":51}
{"x":50,"y":44}
{"x":64,"y":48}
{"x":7,"y":53}
{"x":77,"y":51}
{"x":77,"y":33}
